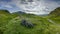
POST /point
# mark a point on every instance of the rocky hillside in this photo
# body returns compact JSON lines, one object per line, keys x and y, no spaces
{"x":55,"y":15}
{"x":56,"y":12}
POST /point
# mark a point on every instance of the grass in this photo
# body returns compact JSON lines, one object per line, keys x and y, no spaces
{"x":10,"y":24}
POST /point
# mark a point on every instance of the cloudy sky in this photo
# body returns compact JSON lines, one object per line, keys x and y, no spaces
{"x":30,"y":6}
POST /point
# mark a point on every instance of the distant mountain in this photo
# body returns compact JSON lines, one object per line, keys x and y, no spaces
{"x":20,"y":12}
{"x":55,"y":12}
{"x":44,"y":15}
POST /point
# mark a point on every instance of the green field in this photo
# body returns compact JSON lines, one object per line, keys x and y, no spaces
{"x":10,"y":24}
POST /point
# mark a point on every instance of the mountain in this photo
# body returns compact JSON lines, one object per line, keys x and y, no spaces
{"x":10,"y":23}
{"x":56,"y":12}
{"x":20,"y":12}
{"x":55,"y":15}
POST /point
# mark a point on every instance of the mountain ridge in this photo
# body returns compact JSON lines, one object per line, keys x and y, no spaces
{"x":55,"y":12}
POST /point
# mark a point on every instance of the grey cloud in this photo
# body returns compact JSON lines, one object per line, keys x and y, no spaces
{"x":36,"y":6}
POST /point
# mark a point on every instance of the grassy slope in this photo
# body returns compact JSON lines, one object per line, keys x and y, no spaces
{"x":5,"y":16}
{"x":10,"y":24}
{"x":55,"y":12}
{"x":55,"y":15}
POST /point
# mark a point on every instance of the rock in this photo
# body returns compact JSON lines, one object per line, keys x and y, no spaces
{"x":26,"y":24}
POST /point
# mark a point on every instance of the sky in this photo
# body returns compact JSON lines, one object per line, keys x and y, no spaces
{"x":30,"y":6}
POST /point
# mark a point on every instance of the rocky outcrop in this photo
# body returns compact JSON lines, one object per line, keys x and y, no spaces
{"x":27,"y":24}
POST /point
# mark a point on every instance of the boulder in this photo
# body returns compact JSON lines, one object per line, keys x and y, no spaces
{"x":27,"y":24}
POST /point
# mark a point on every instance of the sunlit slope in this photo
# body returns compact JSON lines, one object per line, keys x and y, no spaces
{"x":10,"y":24}
{"x":5,"y":17}
{"x":42,"y":25}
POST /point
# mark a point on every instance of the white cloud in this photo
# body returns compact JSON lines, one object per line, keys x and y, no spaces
{"x":36,"y":7}
{"x":8,"y":6}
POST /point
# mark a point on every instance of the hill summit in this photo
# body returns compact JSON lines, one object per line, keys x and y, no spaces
{"x":4,"y":11}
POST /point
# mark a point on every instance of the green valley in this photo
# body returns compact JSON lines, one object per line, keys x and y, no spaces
{"x":10,"y":23}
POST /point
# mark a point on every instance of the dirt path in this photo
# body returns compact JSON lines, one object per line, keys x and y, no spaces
{"x":51,"y":21}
